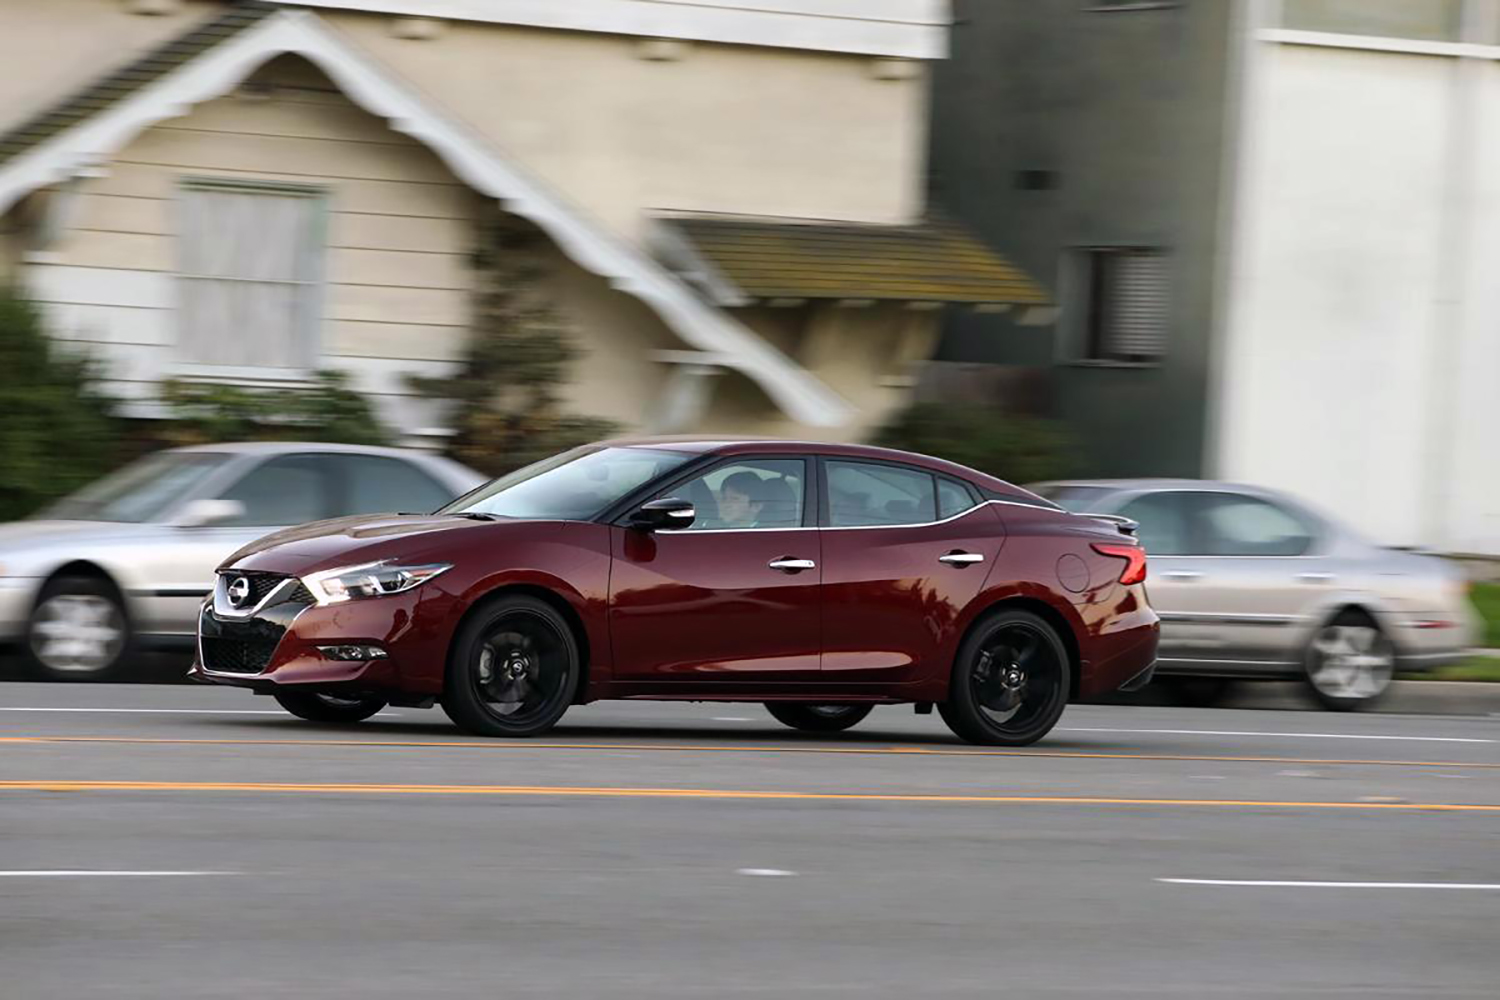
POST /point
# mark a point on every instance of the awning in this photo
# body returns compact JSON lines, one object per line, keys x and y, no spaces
{"x":739,"y":261}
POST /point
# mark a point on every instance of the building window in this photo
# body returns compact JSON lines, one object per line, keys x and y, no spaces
{"x":1125,"y":297}
{"x":250,"y":275}
{"x":1428,"y":20}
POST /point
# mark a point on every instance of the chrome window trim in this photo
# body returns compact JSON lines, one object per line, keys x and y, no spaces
{"x":875,"y":527}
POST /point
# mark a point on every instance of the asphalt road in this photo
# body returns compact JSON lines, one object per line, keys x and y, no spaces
{"x":696,"y":851}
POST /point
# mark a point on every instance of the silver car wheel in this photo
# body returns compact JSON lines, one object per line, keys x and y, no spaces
{"x":77,"y":633}
{"x":1351,"y":662}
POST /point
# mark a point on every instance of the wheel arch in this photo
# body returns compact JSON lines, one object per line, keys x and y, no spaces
{"x":554,"y":599}
{"x":86,"y":569}
{"x":1048,"y":613}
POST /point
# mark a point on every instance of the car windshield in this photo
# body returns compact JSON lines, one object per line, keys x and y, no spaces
{"x":1071,"y":498}
{"x":574,"y":486}
{"x":139,"y":492}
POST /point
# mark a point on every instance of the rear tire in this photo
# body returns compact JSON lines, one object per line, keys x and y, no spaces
{"x":78,"y":631}
{"x":1350,"y":663}
{"x":816,"y":718}
{"x":513,"y":669}
{"x":317,"y":706}
{"x":1010,"y":681}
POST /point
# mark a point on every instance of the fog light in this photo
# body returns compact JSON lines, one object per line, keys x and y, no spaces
{"x":353,"y":652}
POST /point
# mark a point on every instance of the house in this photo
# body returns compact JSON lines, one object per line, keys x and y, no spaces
{"x":1272,"y":228}
{"x":731,"y":194}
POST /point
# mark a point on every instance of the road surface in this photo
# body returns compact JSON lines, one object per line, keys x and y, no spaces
{"x":170,"y":842}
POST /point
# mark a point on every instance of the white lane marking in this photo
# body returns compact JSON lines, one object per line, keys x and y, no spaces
{"x":765,"y":872}
{"x":1331,"y":885}
{"x":732,"y":718}
{"x":170,"y":711}
{"x":1311,"y":736}
{"x":73,"y":873}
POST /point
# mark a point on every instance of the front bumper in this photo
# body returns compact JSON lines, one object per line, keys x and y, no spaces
{"x":278,"y":647}
{"x":17,"y":597}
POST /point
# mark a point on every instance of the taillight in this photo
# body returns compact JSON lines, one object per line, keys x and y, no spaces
{"x":1135,"y":560}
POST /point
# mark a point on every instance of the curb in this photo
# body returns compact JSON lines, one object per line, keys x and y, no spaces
{"x":1404,"y":698}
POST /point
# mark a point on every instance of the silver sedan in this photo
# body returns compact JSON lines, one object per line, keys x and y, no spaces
{"x":126,"y":561}
{"x":1250,"y":583}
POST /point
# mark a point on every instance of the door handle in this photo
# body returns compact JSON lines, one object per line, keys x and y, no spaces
{"x":957,"y":558}
{"x":1183,"y":575}
{"x":789,"y":565}
{"x":1315,"y":577}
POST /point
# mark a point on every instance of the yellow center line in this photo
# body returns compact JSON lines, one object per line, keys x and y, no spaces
{"x":706,"y":793}
{"x":737,"y":748}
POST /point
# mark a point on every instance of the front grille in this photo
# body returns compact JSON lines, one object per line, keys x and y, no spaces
{"x":261,"y":585}
{"x":236,"y":656}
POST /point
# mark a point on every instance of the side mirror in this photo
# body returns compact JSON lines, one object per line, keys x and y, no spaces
{"x":666,"y":514}
{"x":205,"y":512}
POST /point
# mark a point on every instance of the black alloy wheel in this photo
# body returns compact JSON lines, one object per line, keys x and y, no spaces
{"x":816,"y":718}
{"x":513,"y":669}
{"x":1010,"y":681}
{"x":320,"y":706}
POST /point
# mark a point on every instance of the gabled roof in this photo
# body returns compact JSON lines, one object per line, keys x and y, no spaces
{"x":743,"y":259}
{"x":82,"y":133}
{"x":112,"y":89}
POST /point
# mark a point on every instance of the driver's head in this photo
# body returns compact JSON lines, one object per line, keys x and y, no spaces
{"x":741,"y":497}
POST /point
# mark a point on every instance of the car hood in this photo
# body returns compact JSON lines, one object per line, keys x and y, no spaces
{"x":364,"y":538}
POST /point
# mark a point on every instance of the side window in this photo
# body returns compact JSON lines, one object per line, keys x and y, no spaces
{"x":1237,"y":525}
{"x":1164,"y":523}
{"x":953,"y":498}
{"x":289,"y":490}
{"x":753,"y":493}
{"x":862,"y":494}
{"x":372,"y":484}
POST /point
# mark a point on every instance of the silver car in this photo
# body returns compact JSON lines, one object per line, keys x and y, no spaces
{"x":126,"y":561}
{"x":1249,"y":583}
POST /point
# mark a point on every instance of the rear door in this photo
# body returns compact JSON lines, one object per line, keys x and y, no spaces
{"x":904,"y":552}
{"x":1178,"y":579}
{"x":733,"y":598}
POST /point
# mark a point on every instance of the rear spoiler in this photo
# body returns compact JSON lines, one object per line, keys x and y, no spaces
{"x":1125,"y":524}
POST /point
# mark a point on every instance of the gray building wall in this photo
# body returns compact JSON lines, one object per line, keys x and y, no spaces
{"x":1127,"y":110}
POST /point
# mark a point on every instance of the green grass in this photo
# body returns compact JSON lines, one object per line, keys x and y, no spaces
{"x":1486,"y":597}
{"x":1475,"y":668}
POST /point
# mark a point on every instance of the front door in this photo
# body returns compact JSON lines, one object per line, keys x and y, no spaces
{"x":735,"y":596}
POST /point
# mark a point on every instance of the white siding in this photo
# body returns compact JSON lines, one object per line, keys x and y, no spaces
{"x":1360,"y":360}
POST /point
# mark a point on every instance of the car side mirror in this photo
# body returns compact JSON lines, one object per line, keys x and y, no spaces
{"x":666,"y":514}
{"x":205,"y":512}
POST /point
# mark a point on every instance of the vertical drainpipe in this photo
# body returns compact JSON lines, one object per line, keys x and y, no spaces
{"x":1452,"y":257}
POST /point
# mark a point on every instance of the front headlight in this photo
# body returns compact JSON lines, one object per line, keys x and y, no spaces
{"x":380,"y":579}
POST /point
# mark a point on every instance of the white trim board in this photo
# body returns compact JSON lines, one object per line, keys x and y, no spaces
{"x":468,"y":154}
{"x":907,"y":29}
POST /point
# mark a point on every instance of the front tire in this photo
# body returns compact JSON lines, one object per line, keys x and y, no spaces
{"x":317,"y":706}
{"x":78,"y":631}
{"x":812,"y":718}
{"x":513,"y":669}
{"x":1350,"y":663}
{"x":1010,"y":681}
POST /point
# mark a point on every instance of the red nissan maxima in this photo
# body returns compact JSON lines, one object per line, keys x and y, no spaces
{"x":819,"y":579}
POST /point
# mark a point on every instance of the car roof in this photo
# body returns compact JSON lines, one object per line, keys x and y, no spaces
{"x":744,"y":445}
{"x":1155,"y":485}
{"x":285,"y":447}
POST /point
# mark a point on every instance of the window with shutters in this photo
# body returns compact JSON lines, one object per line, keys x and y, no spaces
{"x":1126,"y":294}
{"x":250,"y":275}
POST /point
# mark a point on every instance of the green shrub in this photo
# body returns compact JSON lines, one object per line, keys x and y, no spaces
{"x":1013,"y":448}
{"x":57,"y":431}
{"x":205,"y":412}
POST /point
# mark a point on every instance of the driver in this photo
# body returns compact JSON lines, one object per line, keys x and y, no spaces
{"x":742,"y":497}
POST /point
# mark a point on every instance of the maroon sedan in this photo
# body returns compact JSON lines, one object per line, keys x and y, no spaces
{"x":820,"y":579}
